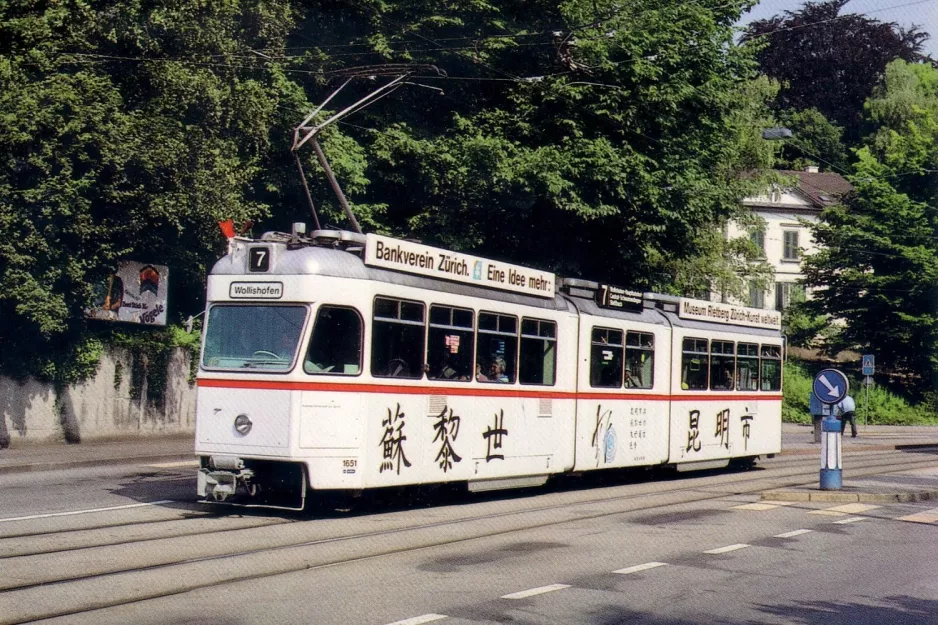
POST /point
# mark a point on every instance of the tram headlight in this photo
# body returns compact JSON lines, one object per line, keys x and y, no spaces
{"x":242,"y":424}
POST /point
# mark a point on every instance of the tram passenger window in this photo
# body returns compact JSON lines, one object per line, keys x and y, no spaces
{"x":451,"y":344}
{"x":538,"y":361}
{"x":722,"y":365}
{"x":639,"y":360}
{"x":497,"y":348}
{"x":397,"y":339}
{"x":606,"y":358}
{"x":695,"y":364}
{"x":747,"y":367}
{"x":771,"y":368}
{"x":336,"y":346}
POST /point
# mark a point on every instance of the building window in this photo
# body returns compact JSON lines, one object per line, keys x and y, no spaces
{"x":756,"y":296}
{"x":758,"y":239}
{"x":788,"y":293}
{"x":790,"y":247}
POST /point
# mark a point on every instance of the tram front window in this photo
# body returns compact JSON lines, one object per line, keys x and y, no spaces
{"x":252,"y":336}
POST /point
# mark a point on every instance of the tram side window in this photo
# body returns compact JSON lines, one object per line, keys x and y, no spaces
{"x":771,"y":368}
{"x":397,"y":339}
{"x":695,"y":364}
{"x":639,"y":360}
{"x":450,"y":344}
{"x":722,"y":365}
{"x":747,"y":367}
{"x":497,"y":348}
{"x":336,"y":346}
{"x":538,"y":361}
{"x":606,"y":358}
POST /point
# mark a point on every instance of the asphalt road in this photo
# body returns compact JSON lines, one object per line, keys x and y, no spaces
{"x":130,"y":545}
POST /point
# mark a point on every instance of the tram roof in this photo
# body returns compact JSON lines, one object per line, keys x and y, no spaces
{"x":337,"y":263}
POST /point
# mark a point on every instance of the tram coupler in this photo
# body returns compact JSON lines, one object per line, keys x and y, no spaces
{"x":223,"y":477}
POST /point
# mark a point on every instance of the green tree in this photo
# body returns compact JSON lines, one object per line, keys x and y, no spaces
{"x":815,"y":141}
{"x":830,"y":60}
{"x":130,"y":129}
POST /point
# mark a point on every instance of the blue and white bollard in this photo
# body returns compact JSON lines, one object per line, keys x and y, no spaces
{"x":831,"y":465}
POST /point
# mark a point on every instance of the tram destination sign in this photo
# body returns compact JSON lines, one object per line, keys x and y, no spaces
{"x":434,"y":262}
{"x":729,"y":314}
{"x":617,"y":298}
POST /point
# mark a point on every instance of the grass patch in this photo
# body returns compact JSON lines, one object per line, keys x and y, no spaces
{"x":885,"y":408}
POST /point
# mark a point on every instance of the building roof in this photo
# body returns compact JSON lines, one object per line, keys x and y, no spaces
{"x":822,"y":188}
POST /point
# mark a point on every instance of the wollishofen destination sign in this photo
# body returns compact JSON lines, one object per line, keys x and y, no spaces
{"x":136,"y":293}
{"x":433,"y":262}
{"x":727,"y":313}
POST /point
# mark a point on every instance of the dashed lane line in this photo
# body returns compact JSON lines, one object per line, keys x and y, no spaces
{"x":89,"y":511}
{"x":793,"y":534}
{"x":420,"y":620}
{"x":524,"y":594}
{"x":727,"y":549}
{"x":640,"y":567}
{"x":852,"y":519}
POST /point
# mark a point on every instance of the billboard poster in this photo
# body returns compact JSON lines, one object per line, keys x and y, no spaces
{"x":136,"y":293}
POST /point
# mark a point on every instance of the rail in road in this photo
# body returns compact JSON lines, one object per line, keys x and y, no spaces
{"x":61,"y":565}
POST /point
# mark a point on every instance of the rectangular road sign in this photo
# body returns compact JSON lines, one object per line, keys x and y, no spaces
{"x":869,"y":364}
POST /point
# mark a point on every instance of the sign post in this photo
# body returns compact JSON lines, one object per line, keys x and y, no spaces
{"x":869,"y":367}
{"x":831,"y":386}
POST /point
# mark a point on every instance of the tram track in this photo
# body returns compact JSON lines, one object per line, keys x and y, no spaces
{"x":75,"y":594}
{"x":73,"y":536}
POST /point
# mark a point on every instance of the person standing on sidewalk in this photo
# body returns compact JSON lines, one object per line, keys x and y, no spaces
{"x":817,"y":412}
{"x":846,"y":410}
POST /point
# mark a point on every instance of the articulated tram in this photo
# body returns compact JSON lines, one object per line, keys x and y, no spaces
{"x":341,"y":362}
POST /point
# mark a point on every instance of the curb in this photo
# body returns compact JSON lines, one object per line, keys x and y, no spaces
{"x":896,"y":447}
{"x":836,"y":497}
{"x":77,"y":464}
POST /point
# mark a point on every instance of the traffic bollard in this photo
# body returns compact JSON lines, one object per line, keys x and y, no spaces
{"x":831,"y":464}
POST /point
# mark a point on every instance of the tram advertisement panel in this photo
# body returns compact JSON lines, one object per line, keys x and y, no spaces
{"x":433,"y":262}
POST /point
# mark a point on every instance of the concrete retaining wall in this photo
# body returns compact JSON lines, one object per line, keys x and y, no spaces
{"x":99,"y":408}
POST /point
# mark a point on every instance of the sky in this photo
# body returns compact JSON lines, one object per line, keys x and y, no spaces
{"x":923,"y":13}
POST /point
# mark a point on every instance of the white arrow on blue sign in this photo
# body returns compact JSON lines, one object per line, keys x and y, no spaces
{"x":869,"y":362}
{"x":830,"y":386}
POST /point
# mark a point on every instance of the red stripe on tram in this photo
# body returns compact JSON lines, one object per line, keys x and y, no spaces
{"x":466,"y":391}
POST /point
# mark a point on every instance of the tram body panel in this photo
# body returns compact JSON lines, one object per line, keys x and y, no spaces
{"x":710,"y":423}
{"x":622,"y":426}
{"x":271,"y":414}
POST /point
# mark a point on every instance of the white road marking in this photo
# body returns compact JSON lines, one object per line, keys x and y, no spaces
{"x":535,"y":591}
{"x":727,"y":549}
{"x":793,"y":534}
{"x":754,"y":506}
{"x":74,"y":512}
{"x":640,"y":567}
{"x":172,"y":465}
{"x":853,"y":508}
{"x":420,"y":620}
{"x":852,"y":519}
{"x":762,"y":505}
{"x":828,"y":512}
{"x":928,"y":516}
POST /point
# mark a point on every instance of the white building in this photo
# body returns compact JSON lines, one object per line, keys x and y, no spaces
{"x":787,"y":212}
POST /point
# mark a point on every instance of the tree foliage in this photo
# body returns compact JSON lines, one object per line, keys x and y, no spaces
{"x":595,"y":138}
{"x":830,"y":60}
{"x":879,"y":271}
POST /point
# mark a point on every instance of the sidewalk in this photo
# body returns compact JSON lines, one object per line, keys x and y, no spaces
{"x":901,"y":487}
{"x":175,"y":448}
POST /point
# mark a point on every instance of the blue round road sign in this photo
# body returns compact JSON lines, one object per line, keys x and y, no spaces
{"x":830,"y":386}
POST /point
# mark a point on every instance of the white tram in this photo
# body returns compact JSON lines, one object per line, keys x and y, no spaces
{"x":344,"y":362}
